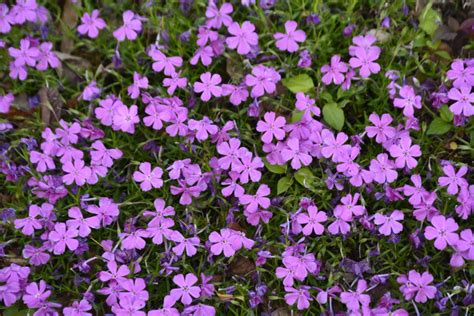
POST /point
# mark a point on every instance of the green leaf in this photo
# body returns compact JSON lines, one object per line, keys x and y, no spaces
{"x":283,"y":185}
{"x":446,"y":114}
{"x":443,"y":54}
{"x":304,"y":176}
{"x":333,"y":115}
{"x":429,"y":20}
{"x":274,"y":168}
{"x":438,"y":127}
{"x":14,"y":311}
{"x":299,"y":83}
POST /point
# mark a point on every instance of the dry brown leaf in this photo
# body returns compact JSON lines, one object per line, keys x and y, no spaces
{"x":69,"y":19}
{"x":242,"y":266}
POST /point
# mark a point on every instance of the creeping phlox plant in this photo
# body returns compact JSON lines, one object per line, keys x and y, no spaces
{"x":240,"y":157}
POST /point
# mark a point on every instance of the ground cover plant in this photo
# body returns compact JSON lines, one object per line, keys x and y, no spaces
{"x":236,"y":157}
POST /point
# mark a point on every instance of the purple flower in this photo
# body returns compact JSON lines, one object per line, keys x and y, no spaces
{"x":408,"y":101}
{"x":334,"y":71}
{"x":289,"y":40}
{"x":132,"y":24}
{"x":218,"y":16}
{"x":186,"y":290}
{"x":389,"y":224}
{"x":404,"y":153}
{"x":80,"y":308}
{"x":453,"y":179}
{"x":63,"y":237}
{"x":300,"y":296}
{"x":5,"y":102}
{"x":243,"y":37}
{"x":91,"y":24}
{"x":208,"y":86}
{"x":443,"y":231}
{"x":262,"y":80}
{"x":25,"y":55}
{"x":354,"y":300}
{"x":271,"y":127}
{"x":464,"y":99}
{"x":149,"y":178}
{"x":36,"y":294}
{"x":312,"y":219}
{"x":418,"y":286}
{"x":253,"y":202}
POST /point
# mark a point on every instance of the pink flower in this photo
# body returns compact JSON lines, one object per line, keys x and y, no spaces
{"x":5,"y":102}
{"x":208,"y":86}
{"x":383,"y":169}
{"x":139,"y":82}
{"x":404,"y":153}
{"x":125,"y":118}
{"x":349,"y":206}
{"x":297,"y":153}
{"x":43,"y":161}
{"x":203,"y":128}
{"x":216,"y":17}
{"x":417,"y":285}
{"x":31,"y":223}
{"x":354,"y":300}
{"x":149,"y":178}
{"x":222,"y":242}
{"x":300,"y":296}
{"x":134,"y":239}
{"x":271,"y":127}
{"x":91,"y":24}
{"x":306,"y":103}
{"x":76,"y":172}
{"x":453,"y":180}
{"x":174,"y":82}
{"x":238,"y":94}
{"x":77,"y":221}
{"x":443,"y":231}
{"x":334,"y":147}
{"x":6,"y":19}
{"x":25,"y":55}
{"x":78,"y":309}
{"x":203,"y":54}
{"x":312,"y":219}
{"x":62,"y":238}
{"x":159,"y":229}
{"x":289,"y":40}
{"x":231,"y":151}
{"x":389,"y":224}
{"x":103,"y":156}
{"x":114,"y":272}
{"x":186,"y":290}
{"x":187,"y":192}
{"x":47,"y":57}
{"x":365,"y":60}
{"x":36,"y":294}
{"x":188,"y":244}
{"x":105,"y":213}
{"x":464,"y":99}
{"x":414,"y":192}
{"x":262,"y":80}
{"x":382,"y":131}
{"x":156,"y":115}
{"x":461,"y":75}
{"x":253,"y":202}
{"x":408,"y":101}
{"x":162,"y":62}
{"x":244,"y":37}
{"x":132,"y":24}
{"x":248,"y":168}
{"x":334,"y":71}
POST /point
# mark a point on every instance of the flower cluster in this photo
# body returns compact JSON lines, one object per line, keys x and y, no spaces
{"x":230,"y":165}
